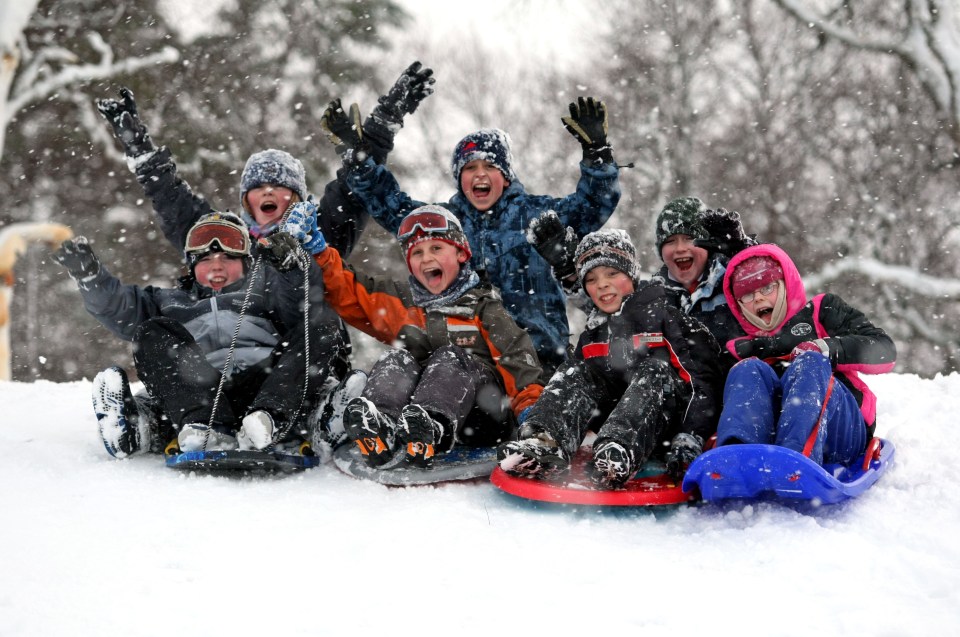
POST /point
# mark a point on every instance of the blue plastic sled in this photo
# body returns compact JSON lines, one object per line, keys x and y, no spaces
{"x":460,"y":463}
{"x":769,"y":471}
{"x":242,"y":461}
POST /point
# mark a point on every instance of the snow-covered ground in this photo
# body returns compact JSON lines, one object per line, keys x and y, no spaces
{"x":95,"y":546}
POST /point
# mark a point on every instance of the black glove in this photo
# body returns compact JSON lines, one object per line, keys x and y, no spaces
{"x":588,"y":123}
{"x":413,"y":86}
{"x":684,"y":448}
{"x":78,"y":258}
{"x":780,"y":344}
{"x":725,"y":232}
{"x":345,"y":132}
{"x":127,"y":127}
{"x":554,"y":243}
{"x":282,"y":250}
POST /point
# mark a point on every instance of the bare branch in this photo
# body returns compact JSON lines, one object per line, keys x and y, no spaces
{"x":879,"y":272}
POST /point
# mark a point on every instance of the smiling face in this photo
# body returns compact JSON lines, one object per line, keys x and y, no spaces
{"x":217,"y":270}
{"x":761,"y":302}
{"x":267,"y":203}
{"x":435,"y":264}
{"x":607,"y":287}
{"x":685,"y":262}
{"x":482,"y":183}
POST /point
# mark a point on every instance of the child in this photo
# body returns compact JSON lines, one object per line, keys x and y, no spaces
{"x":462,"y":370}
{"x":184,"y":337}
{"x":797,"y":384}
{"x":494,"y":209}
{"x":644,"y":371}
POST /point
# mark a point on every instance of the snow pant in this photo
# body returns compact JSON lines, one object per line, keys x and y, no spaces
{"x":452,"y":386}
{"x":175,"y":372}
{"x":806,"y":410}
{"x":646,"y":411}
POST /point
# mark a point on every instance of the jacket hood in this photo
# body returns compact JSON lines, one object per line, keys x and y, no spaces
{"x":796,"y":294}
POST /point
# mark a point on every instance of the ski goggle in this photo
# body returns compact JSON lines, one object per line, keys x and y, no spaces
{"x":427,"y":222}
{"x":232,"y":239}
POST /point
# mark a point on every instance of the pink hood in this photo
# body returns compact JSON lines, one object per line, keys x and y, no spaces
{"x":796,"y":294}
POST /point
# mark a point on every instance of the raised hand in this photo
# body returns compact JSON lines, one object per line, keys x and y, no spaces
{"x":345,"y":132}
{"x":413,"y":86}
{"x":587,"y":122}
{"x":555,"y":243}
{"x":127,"y":127}
{"x":78,"y":258}
{"x":724,"y":232}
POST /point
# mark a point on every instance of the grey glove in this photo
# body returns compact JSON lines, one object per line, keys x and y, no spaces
{"x":684,"y":448}
{"x":127,"y":127}
{"x":588,"y":123}
{"x":78,"y":258}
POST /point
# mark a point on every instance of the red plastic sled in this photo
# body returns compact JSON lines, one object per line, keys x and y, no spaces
{"x":575,"y":487}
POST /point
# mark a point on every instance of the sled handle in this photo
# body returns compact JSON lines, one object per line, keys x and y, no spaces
{"x":872,"y":453}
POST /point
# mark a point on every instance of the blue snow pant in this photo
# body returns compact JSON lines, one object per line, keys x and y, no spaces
{"x":760,"y":408}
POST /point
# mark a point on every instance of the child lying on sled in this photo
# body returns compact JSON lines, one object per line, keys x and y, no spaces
{"x":643,"y":372}
{"x":797,"y":383}
{"x":461,"y":370}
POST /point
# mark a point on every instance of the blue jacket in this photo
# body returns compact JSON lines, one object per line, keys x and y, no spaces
{"x":501,"y":253}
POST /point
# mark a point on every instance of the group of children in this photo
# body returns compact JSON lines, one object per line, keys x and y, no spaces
{"x":721,"y":341}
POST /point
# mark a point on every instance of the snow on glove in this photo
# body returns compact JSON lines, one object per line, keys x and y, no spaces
{"x":684,"y":448}
{"x":345,"y":132}
{"x":554,"y":243}
{"x":78,"y":258}
{"x":413,"y":86}
{"x":127,"y":127}
{"x":282,"y":250}
{"x":817,"y":345}
{"x":779,"y":345}
{"x":725,"y":232}
{"x":588,"y":123}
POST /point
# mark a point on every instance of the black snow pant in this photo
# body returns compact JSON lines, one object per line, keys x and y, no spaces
{"x":177,"y":375}
{"x":452,"y":386}
{"x":578,"y":397}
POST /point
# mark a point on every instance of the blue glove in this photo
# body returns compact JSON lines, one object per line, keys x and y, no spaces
{"x":301,"y":224}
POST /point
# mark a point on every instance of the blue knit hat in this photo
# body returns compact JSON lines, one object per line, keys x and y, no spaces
{"x":276,"y":167}
{"x":490,"y":144}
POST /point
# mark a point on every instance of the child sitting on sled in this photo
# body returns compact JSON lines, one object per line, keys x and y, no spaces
{"x":221,"y":384}
{"x":797,"y":384}
{"x":461,"y":370}
{"x":643,"y":372}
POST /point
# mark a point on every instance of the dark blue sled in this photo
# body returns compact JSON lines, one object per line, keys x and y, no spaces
{"x":769,"y":471}
{"x":243,"y":461}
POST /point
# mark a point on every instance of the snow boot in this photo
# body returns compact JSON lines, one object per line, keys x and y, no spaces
{"x":535,"y":456}
{"x":612,"y":464}
{"x":371,"y":429}
{"x":421,"y":434}
{"x":201,"y":437}
{"x":117,"y":416}
{"x":326,"y":428}
{"x":256,"y":431}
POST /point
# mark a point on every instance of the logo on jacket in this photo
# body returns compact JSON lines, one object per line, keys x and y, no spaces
{"x":466,"y":341}
{"x":801,"y":329}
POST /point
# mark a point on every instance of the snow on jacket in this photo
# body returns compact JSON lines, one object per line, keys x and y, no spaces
{"x":497,"y":237}
{"x":856,"y":345}
{"x":209,"y":316}
{"x":647,"y":325}
{"x":341,"y":217}
{"x":476,"y":322}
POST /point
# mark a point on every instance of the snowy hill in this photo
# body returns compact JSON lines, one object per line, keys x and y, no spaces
{"x":95,"y":546}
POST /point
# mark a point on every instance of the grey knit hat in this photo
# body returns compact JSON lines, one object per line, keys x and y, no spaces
{"x":491,"y":144}
{"x":276,"y":167}
{"x":681,"y":216}
{"x":612,"y":248}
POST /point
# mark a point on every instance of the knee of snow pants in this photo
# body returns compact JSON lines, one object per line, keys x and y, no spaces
{"x":750,"y":404}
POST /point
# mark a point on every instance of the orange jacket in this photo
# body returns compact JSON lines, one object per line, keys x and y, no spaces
{"x":477,"y":322}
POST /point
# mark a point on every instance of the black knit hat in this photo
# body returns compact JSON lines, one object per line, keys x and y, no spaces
{"x":681,"y":216}
{"x":612,"y":248}
{"x":490,"y":144}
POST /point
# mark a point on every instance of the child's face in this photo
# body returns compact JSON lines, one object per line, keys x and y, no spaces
{"x":482,"y":183}
{"x":218,"y":270}
{"x":607,"y":287}
{"x":685,"y":262}
{"x":267,"y":203}
{"x":761,"y":302}
{"x":436,"y":264}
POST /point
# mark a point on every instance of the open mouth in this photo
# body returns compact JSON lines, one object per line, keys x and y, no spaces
{"x":684,"y":263}
{"x":268,"y":207}
{"x":606,"y":299}
{"x":765,"y":313}
{"x":481,"y":190}
{"x":433,"y":276}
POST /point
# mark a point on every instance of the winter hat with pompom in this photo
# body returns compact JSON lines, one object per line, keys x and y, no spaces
{"x":680,"y":216}
{"x":276,"y":167}
{"x":490,"y":144}
{"x":754,"y":273}
{"x":612,"y":248}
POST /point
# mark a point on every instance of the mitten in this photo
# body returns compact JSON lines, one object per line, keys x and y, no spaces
{"x":684,"y":448}
{"x":78,"y":258}
{"x":345,"y":132}
{"x":724,"y":232}
{"x":301,"y":224}
{"x":588,"y":123}
{"x":555,"y":243}
{"x":127,"y":127}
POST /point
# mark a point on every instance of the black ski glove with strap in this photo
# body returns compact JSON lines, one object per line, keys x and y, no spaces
{"x":588,"y":123}
{"x":555,"y":243}
{"x":725,"y":232}
{"x":78,"y":258}
{"x":127,"y":127}
{"x":345,"y":132}
{"x":413,"y":86}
